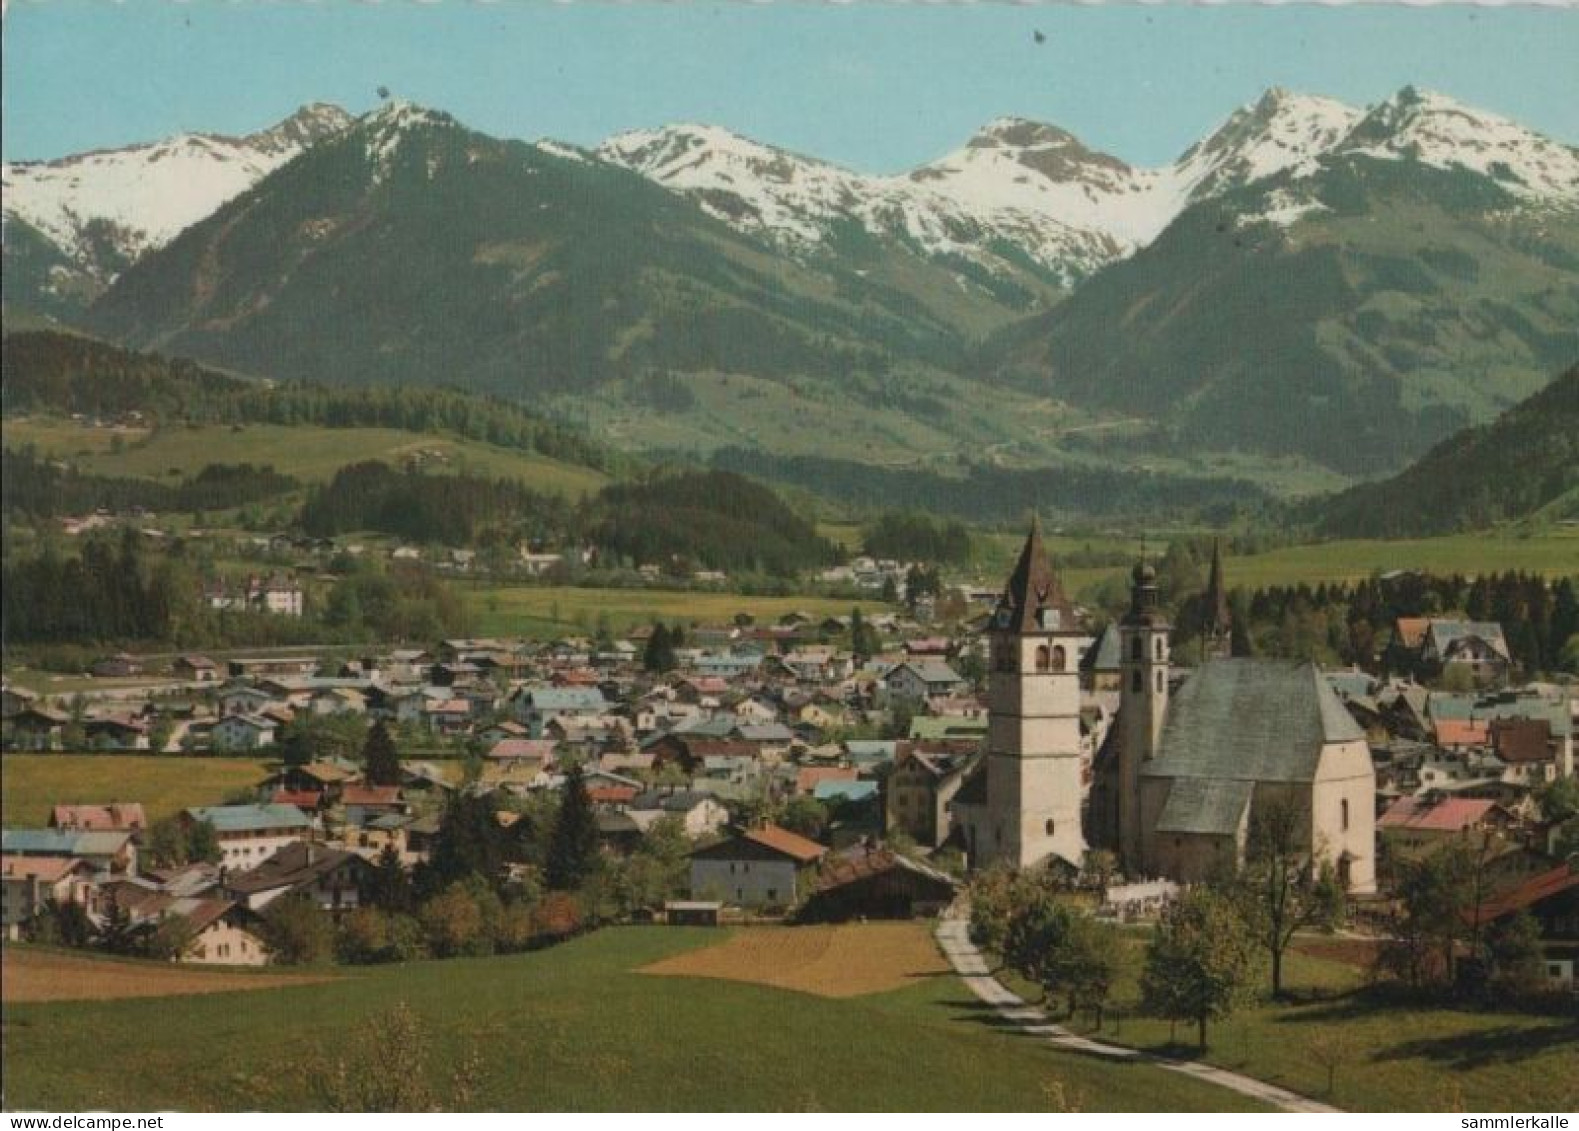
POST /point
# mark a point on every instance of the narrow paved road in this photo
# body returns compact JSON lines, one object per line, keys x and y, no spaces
{"x":954,"y":937}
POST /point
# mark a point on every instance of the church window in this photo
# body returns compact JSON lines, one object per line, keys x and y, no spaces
{"x":1343,"y":806}
{"x":1135,"y":683}
{"x":1050,"y":827}
{"x":1060,"y":658}
{"x":1137,"y":649}
{"x":1159,"y":647}
{"x":1159,"y":683}
{"x":1043,"y":658}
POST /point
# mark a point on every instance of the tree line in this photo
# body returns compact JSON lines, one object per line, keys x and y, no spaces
{"x":910,"y":536}
{"x":990,"y":493}
{"x":40,"y":489}
{"x":448,"y":509}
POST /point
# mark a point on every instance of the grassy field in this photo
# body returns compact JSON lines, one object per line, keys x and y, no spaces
{"x":31,"y":783}
{"x":574,"y":1028}
{"x":1391,"y":1057}
{"x":1553,"y":552}
{"x":309,"y":453}
{"x":544,"y":611}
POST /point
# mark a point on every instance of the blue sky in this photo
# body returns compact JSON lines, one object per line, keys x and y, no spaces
{"x":878,"y":87}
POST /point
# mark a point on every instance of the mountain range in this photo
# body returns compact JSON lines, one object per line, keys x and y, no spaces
{"x":1345,"y":286}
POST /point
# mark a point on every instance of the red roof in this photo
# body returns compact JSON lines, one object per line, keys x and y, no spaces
{"x":46,"y":869}
{"x":1530,"y":892}
{"x":507,"y":748}
{"x":1462,"y":732}
{"x":301,"y":798}
{"x":115,"y":817}
{"x":610,"y":794}
{"x":1421,"y":814}
{"x":807,"y":777}
{"x":707,"y":684}
{"x":370,"y":795}
{"x":790,"y":844}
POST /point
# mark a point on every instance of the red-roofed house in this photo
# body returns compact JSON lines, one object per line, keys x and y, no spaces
{"x":1414,"y":825}
{"x":758,"y":867}
{"x":115,"y":817}
{"x":306,"y":800}
{"x":364,"y":803}
{"x":540,"y":750}
{"x":1463,"y":734}
{"x":1552,"y":898}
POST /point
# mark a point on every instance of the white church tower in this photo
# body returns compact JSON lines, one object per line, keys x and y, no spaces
{"x":1033,"y":794}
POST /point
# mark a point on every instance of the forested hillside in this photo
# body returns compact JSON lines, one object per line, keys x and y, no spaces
{"x":1524,"y":462}
{"x":65,"y":374}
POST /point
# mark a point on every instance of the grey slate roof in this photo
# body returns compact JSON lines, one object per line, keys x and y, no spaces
{"x":1251,"y":720}
{"x":1106,"y":655}
{"x":1205,"y":805}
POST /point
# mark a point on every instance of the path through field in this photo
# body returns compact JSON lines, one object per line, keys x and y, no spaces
{"x":954,"y":937}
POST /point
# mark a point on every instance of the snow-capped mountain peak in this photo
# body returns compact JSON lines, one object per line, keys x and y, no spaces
{"x":743,"y":182}
{"x":1436,"y":130}
{"x":387,"y":128}
{"x":140,"y":197}
{"x":1282,"y":130}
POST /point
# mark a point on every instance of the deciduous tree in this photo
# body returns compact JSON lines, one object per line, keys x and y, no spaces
{"x":1199,"y":962}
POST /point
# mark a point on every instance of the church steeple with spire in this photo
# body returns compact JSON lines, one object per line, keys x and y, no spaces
{"x":1216,"y":620}
{"x":1033,"y":783}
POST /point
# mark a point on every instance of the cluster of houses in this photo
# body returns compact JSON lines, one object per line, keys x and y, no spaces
{"x":743,"y":725}
{"x":1078,"y":741}
{"x":276,"y":594}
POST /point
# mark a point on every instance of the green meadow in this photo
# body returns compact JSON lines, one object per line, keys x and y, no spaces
{"x":553,"y":610}
{"x":310,"y":453}
{"x":31,"y":783}
{"x":1553,"y":552}
{"x":574,"y":1028}
{"x":1386,"y":1055}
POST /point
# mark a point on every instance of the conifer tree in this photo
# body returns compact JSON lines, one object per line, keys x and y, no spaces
{"x":380,"y":759}
{"x":572,"y":853}
{"x":659,"y":655}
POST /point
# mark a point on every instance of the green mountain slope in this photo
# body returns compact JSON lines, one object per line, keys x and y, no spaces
{"x":1355,"y":316}
{"x":1525,"y":463}
{"x":411,"y":250}
{"x":38,"y":278}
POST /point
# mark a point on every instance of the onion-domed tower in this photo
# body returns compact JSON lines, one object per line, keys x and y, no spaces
{"x":1143,"y":704}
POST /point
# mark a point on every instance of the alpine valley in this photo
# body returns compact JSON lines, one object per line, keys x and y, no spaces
{"x":1311,"y":294}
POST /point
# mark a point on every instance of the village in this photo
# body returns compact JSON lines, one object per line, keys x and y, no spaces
{"x":813,"y":769}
